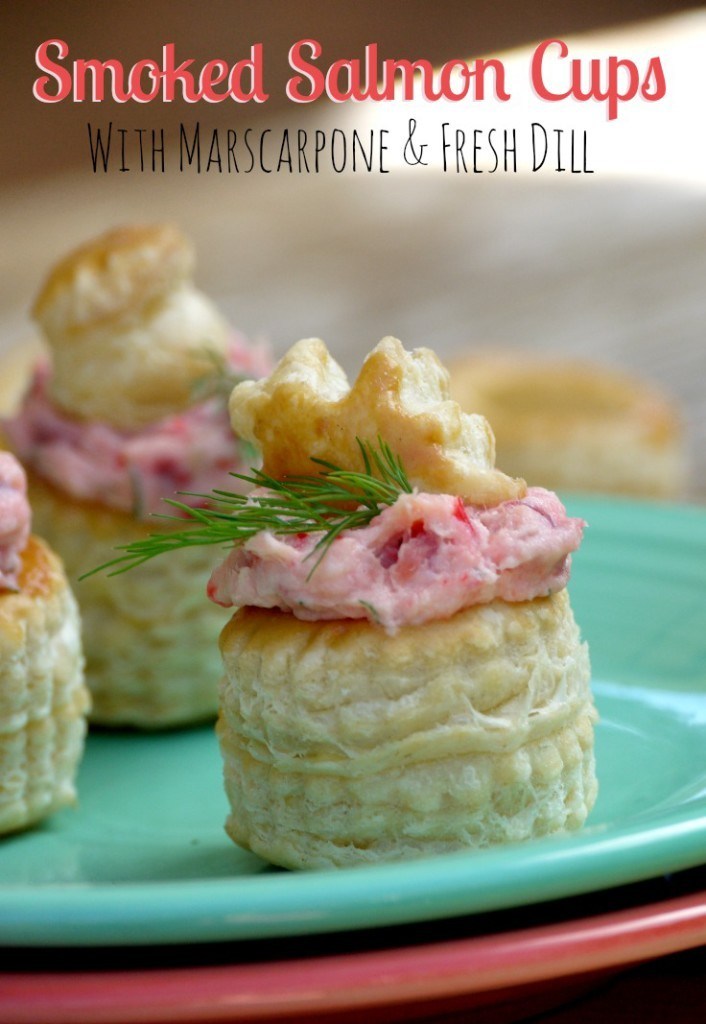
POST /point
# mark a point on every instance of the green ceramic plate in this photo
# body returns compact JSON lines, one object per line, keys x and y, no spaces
{"x":145,"y":860}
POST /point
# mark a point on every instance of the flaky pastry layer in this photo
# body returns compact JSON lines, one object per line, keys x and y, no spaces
{"x":343,"y":745}
{"x":129,"y":334}
{"x":306,"y":409}
{"x":150,"y":635}
{"x":43,"y":700}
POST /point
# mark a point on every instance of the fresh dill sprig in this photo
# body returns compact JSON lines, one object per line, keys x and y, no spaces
{"x":327,"y":502}
{"x":218,"y":381}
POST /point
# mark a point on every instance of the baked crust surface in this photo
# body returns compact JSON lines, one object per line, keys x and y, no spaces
{"x":43,"y":700}
{"x":343,"y":745}
{"x":129,"y":333}
{"x":305,"y":409}
{"x":570,"y":425}
{"x":150,"y":635}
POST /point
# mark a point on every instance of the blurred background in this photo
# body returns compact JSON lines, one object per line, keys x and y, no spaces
{"x":606,"y":267}
{"x":39,"y":139}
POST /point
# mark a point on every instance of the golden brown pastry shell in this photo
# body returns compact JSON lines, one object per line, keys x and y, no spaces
{"x":43,"y":700}
{"x":343,"y":745}
{"x":150,"y":635}
{"x":568,"y":424}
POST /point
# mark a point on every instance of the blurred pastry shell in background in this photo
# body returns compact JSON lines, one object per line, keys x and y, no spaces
{"x":575,"y":425}
{"x":128,"y":330}
{"x":150,"y":634}
{"x":128,"y":336}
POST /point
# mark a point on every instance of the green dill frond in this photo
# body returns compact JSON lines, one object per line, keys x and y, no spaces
{"x":327,"y":502}
{"x":218,"y":381}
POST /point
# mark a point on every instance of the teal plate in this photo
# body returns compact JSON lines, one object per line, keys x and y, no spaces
{"x":144,"y":859}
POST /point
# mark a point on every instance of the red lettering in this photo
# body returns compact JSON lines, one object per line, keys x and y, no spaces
{"x":447,"y":80}
{"x":409,"y":69}
{"x":135,"y":90}
{"x":214,"y":72}
{"x":612,"y":80}
{"x":352,"y":79}
{"x":59,"y":74}
{"x":480,"y":67}
{"x":537,"y":70}
{"x":96,"y":80}
{"x":97,"y":69}
{"x":613,"y":93}
{"x":254,"y":67}
{"x":309,"y":72}
{"x":334,"y":90}
{"x":171,"y":74}
{"x":655,"y":86}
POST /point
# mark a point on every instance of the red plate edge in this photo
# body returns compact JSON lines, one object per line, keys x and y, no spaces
{"x":246,"y":992}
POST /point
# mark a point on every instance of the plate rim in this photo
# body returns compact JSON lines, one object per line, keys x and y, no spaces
{"x":368,"y":978}
{"x":245,"y":907}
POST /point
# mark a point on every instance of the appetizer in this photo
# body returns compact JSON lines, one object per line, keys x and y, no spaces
{"x":403,"y":675}
{"x":130,"y":408}
{"x":43,"y":700}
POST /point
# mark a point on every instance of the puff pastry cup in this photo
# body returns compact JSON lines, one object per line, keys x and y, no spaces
{"x":149,"y":636}
{"x":345,"y":743}
{"x":43,"y":699}
{"x":576,"y":426}
{"x":130,"y":339}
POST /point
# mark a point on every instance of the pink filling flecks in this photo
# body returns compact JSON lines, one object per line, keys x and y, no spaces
{"x":133,"y":471}
{"x":425,"y":557}
{"x":15,"y":519}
